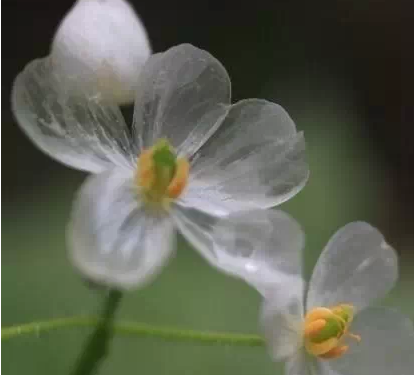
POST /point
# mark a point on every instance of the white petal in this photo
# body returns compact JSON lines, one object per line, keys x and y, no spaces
{"x":197,"y":195}
{"x":78,"y":130}
{"x":108,"y":37}
{"x":113,"y":239}
{"x":256,"y":158}
{"x":299,"y":365}
{"x":258,"y":246}
{"x":303,"y":364}
{"x":386,"y":347}
{"x":183,"y":94}
{"x":281,"y":320}
{"x":197,"y":227}
{"x":357,"y":266}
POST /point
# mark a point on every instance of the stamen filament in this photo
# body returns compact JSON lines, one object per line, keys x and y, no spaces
{"x":355,"y":337}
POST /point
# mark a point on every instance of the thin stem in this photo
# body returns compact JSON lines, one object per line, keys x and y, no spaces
{"x":135,"y":329}
{"x":96,"y":348}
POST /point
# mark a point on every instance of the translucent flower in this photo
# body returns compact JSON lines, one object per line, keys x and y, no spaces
{"x":330,"y":329}
{"x":108,"y":37}
{"x":190,"y":158}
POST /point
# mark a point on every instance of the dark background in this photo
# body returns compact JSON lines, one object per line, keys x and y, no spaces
{"x":338,"y":67}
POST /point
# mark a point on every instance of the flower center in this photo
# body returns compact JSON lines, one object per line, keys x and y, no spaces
{"x":161,"y":176}
{"x":325,"y":328}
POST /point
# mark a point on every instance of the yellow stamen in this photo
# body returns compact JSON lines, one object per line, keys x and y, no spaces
{"x":179,"y":181}
{"x":324,"y":329}
{"x":160,"y":176}
{"x":336,"y":352}
{"x":314,"y":327}
{"x":323,"y":347}
{"x":145,"y":175}
{"x":317,"y":313}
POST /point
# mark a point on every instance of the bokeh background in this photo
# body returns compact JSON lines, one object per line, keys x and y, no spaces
{"x":336,"y":66}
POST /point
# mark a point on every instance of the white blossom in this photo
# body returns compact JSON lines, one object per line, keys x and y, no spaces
{"x":330,"y":327}
{"x":191,"y":158}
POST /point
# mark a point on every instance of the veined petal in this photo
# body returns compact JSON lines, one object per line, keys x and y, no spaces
{"x":256,"y":158}
{"x":281,"y":321}
{"x":386,"y":347}
{"x":259,"y":246}
{"x":357,"y":266}
{"x":108,"y":37}
{"x":80,"y":131}
{"x":113,"y":239}
{"x":183,"y":95}
{"x":197,"y":227}
{"x":199,"y":194}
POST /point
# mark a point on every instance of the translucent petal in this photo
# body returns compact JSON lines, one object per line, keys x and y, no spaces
{"x":258,"y":246}
{"x":113,"y":239}
{"x":298,"y":364}
{"x":256,"y":158}
{"x":386,"y":347}
{"x":110,"y":39}
{"x":183,"y":94}
{"x":281,"y":319}
{"x":197,"y":227}
{"x":357,"y":266}
{"x":303,"y":364}
{"x":197,"y":195}
{"x":80,"y":131}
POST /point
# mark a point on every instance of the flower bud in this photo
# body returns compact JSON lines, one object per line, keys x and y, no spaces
{"x":106,"y":38}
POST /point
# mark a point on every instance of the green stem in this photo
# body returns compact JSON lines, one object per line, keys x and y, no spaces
{"x":96,"y":347}
{"x":135,"y":329}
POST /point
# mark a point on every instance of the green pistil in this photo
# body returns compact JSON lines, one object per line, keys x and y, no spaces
{"x":164,"y":165}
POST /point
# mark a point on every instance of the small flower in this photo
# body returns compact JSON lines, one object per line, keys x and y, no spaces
{"x":109,"y":38}
{"x":330,"y":329}
{"x":190,"y":159}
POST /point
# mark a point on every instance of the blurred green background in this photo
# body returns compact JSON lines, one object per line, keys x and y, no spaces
{"x":329,"y":64}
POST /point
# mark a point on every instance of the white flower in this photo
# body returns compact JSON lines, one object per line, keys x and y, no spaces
{"x":190,"y":158}
{"x":108,"y":37}
{"x":330,"y":329}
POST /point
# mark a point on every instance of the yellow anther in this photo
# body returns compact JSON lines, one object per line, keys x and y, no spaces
{"x":145,"y":175}
{"x":314,"y":327}
{"x":179,"y":181}
{"x":316,"y":314}
{"x":336,"y":352}
{"x":323,"y":347}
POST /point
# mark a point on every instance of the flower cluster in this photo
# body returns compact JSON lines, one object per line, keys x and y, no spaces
{"x":194,"y":163}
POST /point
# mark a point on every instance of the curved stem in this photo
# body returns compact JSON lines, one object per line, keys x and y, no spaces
{"x":135,"y":329}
